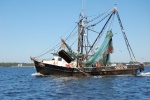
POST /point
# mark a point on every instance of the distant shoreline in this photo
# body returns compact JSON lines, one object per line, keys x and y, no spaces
{"x":16,"y":64}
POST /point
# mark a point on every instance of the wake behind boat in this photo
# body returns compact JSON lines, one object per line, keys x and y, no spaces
{"x":86,"y":58}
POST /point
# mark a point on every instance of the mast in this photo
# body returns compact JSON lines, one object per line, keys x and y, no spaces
{"x":82,"y":26}
{"x":81,"y":35}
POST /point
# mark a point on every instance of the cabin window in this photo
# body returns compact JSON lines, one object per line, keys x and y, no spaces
{"x":59,"y":59}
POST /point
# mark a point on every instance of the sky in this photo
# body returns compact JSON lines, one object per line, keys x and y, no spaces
{"x":28,"y":27}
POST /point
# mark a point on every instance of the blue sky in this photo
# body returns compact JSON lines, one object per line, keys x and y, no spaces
{"x":28,"y":27}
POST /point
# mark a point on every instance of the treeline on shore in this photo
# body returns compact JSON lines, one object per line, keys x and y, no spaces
{"x":146,"y":63}
{"x":11,"y":64}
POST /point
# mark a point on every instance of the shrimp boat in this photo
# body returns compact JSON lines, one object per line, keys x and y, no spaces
{"x":86,"y":56}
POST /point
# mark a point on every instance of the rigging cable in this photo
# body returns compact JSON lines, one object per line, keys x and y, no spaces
{"x":99,"y":15}
{"x":100,"y":20}
{"x":101,"y":30}
{"x":71,"y":32}
{"x":48,"y":51}
{"x":55,"y":45}
{"x":104,"y":29}
{"x":112,"y":21}
{"x":125,"y":37}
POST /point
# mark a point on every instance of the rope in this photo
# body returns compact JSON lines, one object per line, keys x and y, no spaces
{"x":47,"y":51}
{"x":71,"y":32}
{"x":83,"y":72}
{"x":101,"y":31}
{"x":111,"y":24}
{"x":56,"y":45}
{"x":125,"y":37}
{"x":100,"y":20}
{"x":99,"y":15}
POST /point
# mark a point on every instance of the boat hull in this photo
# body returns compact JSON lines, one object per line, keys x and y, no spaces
{"x":49,"y":69}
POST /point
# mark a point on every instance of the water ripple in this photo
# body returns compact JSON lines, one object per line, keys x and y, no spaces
{"x":21,"y":84}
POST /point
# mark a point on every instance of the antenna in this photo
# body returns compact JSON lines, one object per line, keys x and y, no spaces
{"x":83,"y":8}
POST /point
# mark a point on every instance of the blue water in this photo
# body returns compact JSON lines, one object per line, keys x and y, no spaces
{"x":25,"y":84}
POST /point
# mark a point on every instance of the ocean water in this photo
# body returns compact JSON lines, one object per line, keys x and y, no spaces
{"x":24,"y":84}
